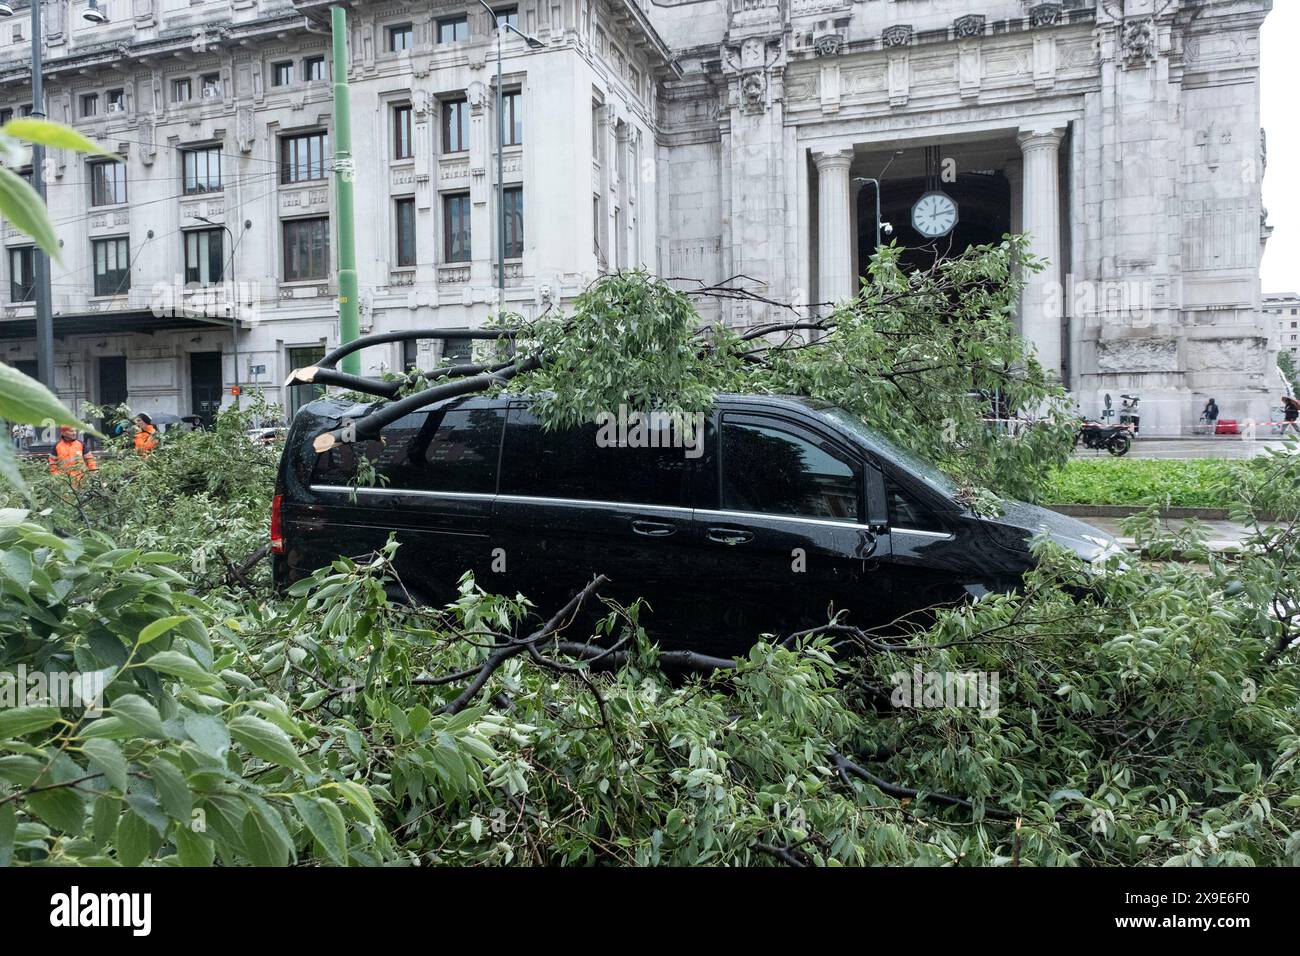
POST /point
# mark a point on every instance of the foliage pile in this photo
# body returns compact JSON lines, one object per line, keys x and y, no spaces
{"x":1145,"y":716}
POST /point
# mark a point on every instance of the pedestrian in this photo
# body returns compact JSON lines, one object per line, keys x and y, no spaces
{"x":1210,"y":415}
{"x":1290,"y":412}
{"x":70,"y":457}
{"x":146,"y":436}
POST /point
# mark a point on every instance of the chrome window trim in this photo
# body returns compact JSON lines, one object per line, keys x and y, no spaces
{"x":620,"y":506}
{"x":414,"y":492}
{"x":592,"y":503}
{"x":828,"y":522}
{"x":942,"y":535}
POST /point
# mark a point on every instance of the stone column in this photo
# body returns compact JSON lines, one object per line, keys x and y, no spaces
{"x":834,"y":248}
{"x":1041,"y":214}
{"x":855,"y":247}
{"x":1014,"y":172}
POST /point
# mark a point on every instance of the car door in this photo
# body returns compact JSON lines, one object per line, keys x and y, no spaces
{"x":435,"y":475}
{"x":572,"y":506}
{"x":782,"y":518}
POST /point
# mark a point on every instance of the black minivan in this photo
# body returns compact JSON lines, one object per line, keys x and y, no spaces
{"x":778,"y":513}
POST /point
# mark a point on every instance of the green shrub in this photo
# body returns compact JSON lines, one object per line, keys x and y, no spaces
{"x":1170,"y":483}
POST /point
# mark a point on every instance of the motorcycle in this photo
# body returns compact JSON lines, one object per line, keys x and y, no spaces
{"x":1116,"y":439}
{"x":1128,"y":412}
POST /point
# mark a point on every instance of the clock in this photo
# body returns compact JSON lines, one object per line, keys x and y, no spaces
{"x":934,"y":214}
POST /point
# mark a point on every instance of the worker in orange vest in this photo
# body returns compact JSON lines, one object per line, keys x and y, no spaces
{"x":146,"y":435}
{"x":70,"y":457}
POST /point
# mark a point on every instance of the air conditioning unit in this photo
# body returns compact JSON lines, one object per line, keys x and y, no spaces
{"x":117,"y":107}
{"x":211,"y":93}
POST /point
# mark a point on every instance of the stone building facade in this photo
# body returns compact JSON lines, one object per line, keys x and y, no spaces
{"x":701,"y":139}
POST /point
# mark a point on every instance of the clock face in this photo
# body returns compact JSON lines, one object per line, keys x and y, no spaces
{"x":934,"y":215}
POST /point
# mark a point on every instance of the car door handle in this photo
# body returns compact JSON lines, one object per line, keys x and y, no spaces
{"x":730,"y":535}
{"x":653,"y":529}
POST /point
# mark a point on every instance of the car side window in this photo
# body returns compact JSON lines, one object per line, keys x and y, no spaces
{"x":906,"y":513}
{"x":572,"y":464}
{"x":443,"y":449}
{"x":771,"y":470}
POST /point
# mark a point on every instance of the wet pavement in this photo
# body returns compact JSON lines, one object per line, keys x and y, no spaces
{"x":1220,"y":446}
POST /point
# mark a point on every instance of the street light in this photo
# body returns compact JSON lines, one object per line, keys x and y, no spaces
{"x":234,"y":307}
{"x":533,"y":44}
{"x":888,"y":228}
{"x":40,"y":261}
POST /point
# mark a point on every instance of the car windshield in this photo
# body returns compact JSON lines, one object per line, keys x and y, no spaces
{"x":931,"y":474}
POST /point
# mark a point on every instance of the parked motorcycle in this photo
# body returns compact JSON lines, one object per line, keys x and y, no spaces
{"x":1116,"y":439}
{"x":1128,"y":412}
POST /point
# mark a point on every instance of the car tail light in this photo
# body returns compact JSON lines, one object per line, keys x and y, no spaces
{"x":277,"y":534}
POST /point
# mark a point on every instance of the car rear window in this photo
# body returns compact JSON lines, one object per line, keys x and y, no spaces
{"x":572,"y":464}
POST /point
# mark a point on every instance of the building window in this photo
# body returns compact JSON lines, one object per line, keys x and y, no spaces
{"x":202,"y":169}
{"x":453,"y":29}
{"x":455,"y":227}
{"x":107,"y":183}
{"x":112,"y":260}
{"x":302,"y":158}
{"x":116,"y":101}
{"x":282,"y":73}
{"x":5,"y":116}
{"x":313,"y":68}
{"x":401,"y":37}
{"x":402,"y":143}
{"x":22,"y":274}
{"x":301,"y":394}
{"x":203,"y":256}
{"x":182,"y":90}
{"x":507,"y":16}
{"x":455,"y":126}
{"x":512,"y":111}
{"x":404,"y":215}
{"x":90,"y":104}
{"x":210,"y":84}
{"x":513,"y":200}
{"x":306,"y":249}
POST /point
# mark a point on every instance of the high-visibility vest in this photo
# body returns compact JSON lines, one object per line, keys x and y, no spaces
{"x":71,"y":458}
{"x":146,"y":440}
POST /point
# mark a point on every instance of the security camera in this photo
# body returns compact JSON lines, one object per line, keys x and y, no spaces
{"x":887,"y":228}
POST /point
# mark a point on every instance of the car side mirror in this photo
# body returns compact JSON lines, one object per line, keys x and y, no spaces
{"x":877,"y":502}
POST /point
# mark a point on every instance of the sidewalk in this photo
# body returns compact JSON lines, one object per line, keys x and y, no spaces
{"x":1208,"y":446}
{"x":1224,"y":535}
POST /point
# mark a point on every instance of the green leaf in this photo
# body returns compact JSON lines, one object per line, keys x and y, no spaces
{"x":325,"y":821}
{"x":22,"y":206}
{"x":104,"y":818}
{"x":8,"y":828}
{"x":263,"y":840}
{"x":139,"y":715}
{"x":133,"y":840}
{"x":173,"y":792}
{"x":265,"y":740}
{"x":23,"y":399}
{"x":63,"y":809}
{"x":54,"y":135}
{"x":181,"y":666}
{"x":158,"y":628}
{"x":193,"y":849}
{"x":106,"y":757}
{"x":209,"y":733}
{"x":26,"y":720}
